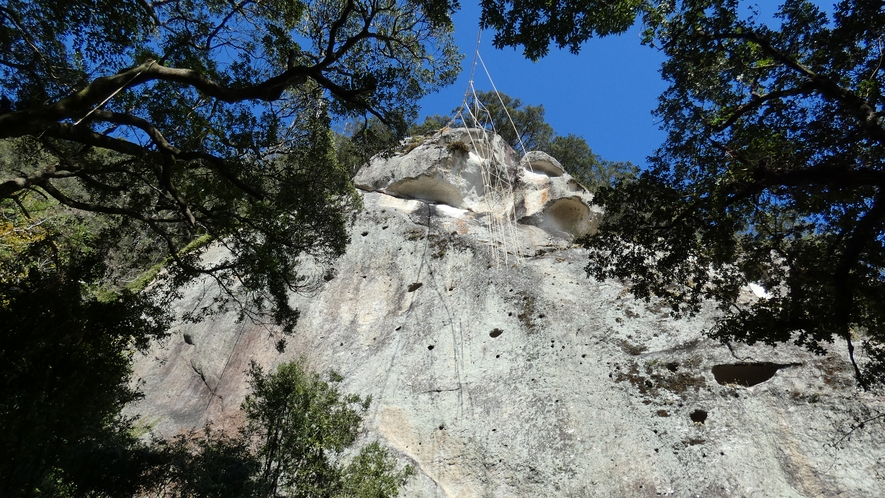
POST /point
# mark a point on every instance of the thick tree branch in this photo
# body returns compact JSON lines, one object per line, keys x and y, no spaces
{"x":331,"y":56}
{"x":9,"y":188}
{"x":757,"y":101}
{"x":82,"y":103}
{"x":217,"y":163}
{"x":82,"y":134}
{"x":854,"y":104}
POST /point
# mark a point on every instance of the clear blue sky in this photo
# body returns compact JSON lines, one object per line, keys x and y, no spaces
{"x":605,"y":94}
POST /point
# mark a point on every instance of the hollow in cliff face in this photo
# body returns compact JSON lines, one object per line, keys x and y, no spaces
{"x":570,"y":215}
{"x":745,"y":374}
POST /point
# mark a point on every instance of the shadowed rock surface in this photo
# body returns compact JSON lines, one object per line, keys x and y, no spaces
{"x":498,"y":369}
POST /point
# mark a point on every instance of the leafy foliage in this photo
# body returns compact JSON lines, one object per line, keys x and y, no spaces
{"x":299,"y":428}
{"x":187,"y":118}
{"x":430,"y":125}
{"x":304,"y":423}
{"x":65,"y":361}
{"x":588,"y":168}
{"x":771,"y":172}
{"x":518,"y":124}
{"x":568,"y":23}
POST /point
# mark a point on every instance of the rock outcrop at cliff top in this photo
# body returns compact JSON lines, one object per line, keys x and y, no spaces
{"x":498,"y":369}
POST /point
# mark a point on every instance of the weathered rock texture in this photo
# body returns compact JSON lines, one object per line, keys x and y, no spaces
{"x":498,"y":369}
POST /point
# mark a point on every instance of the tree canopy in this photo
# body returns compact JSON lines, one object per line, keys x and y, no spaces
{"x":299,"y":441}
{"x":771,"y":173}
{"x":135,"y":133}
{"x":188,"y":118}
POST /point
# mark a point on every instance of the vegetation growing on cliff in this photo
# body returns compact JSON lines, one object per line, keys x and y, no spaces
{"x":299,"y":442}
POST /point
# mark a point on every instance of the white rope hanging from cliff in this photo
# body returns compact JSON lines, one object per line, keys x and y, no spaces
{"x":475,"y":120}
{"x":497,"y":181}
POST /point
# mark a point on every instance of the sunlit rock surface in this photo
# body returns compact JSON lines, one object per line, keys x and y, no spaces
{"x":497,"y":369}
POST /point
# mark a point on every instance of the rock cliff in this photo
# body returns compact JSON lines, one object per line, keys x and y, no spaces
{"x":498,"y":369}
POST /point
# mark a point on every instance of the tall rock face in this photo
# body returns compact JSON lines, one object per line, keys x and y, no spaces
{"x":496,"y":368}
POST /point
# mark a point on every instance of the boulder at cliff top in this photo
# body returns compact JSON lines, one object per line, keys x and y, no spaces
{"x":474,"y":170}
{"x":497,"y":368}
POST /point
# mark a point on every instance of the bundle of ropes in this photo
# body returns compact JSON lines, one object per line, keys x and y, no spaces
{"x":497,"y":180}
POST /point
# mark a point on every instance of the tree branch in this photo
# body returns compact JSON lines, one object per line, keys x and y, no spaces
{"x":333,"y":33}
{"x":9,"y":188}
{"x":84,"y":135}
{"x":757,"y":101}
{"x":857,"y":106}
{"x":85,"y":101}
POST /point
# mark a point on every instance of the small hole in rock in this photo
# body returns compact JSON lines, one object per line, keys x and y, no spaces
{"x":430,"y":348}
{"x":364,"y":234}
{"x":698,"y":416}
{"x":495,"y":333}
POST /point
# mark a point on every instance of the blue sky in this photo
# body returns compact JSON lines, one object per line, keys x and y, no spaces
{"x":606,"y":93}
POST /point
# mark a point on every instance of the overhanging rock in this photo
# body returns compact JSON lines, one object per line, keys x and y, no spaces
{"x":474,"y":170}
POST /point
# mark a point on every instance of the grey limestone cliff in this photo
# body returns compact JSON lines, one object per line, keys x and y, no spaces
{"x":497,"y":368}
